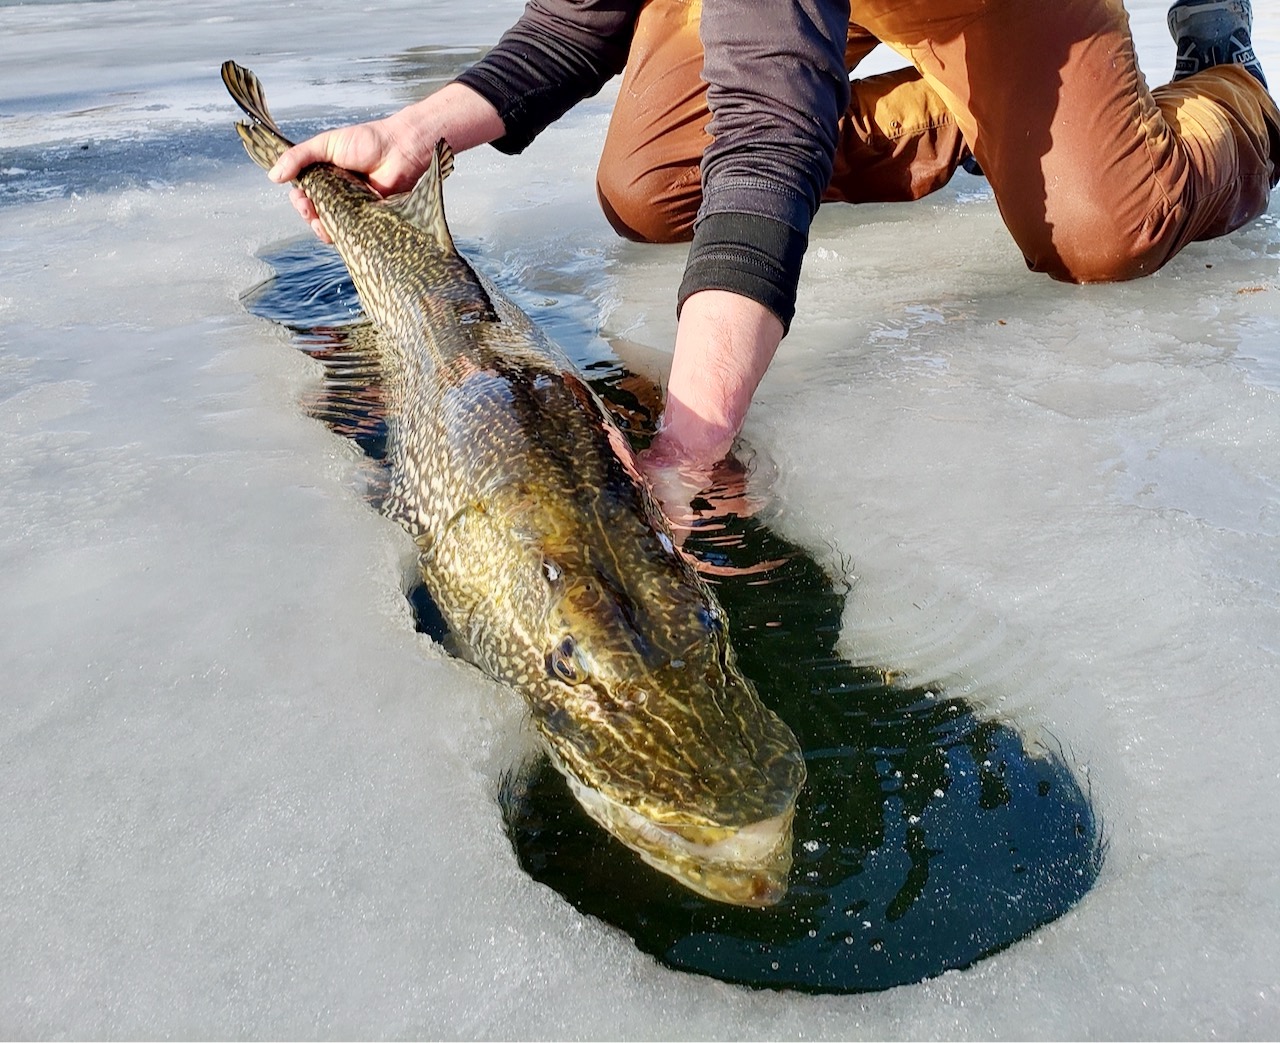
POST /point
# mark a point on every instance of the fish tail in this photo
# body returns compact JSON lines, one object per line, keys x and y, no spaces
{"x":262,"y":138}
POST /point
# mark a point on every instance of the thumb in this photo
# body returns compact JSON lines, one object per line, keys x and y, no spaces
{"x":292,"y":162}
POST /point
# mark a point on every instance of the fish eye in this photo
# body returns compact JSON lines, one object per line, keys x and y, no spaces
{"x":562,"y":663}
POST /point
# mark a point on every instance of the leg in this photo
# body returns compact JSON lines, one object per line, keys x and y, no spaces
{"x":649,"y":183}
{"x":1096,"y":178}
{"x":1228,"y":128}
{"x":897,"y":141}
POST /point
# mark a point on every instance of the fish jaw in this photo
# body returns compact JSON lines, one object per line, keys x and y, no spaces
{"x":738,"y":865}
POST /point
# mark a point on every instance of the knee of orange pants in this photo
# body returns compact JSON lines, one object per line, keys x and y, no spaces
{"x":1101,"y":261}
{"x":1206,"y":166}
{"x":1086,"y":242}
{"x":649,"y":203}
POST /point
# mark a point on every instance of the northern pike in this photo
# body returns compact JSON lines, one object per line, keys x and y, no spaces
{"x":545,"y":551}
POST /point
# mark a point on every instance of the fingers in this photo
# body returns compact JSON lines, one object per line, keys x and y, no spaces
{"x":292,"y":162}
{"x":307,"y":211}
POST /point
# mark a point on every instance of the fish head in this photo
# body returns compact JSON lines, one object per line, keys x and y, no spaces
{"x":664,"y":742}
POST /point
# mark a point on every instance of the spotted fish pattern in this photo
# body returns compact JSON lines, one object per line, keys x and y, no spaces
{"x":545,"y":552}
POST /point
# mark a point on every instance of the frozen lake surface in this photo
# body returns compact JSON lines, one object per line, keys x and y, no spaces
{"x":244,"y":798}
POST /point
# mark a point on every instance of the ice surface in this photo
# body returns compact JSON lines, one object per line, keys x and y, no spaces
{"x":243,"y":797}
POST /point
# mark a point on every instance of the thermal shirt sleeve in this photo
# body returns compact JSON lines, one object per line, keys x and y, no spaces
{"x":776,"y":86}
{"x":557,"y":53}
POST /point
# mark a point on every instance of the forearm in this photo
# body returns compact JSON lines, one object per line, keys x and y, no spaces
{"x":776,"y":86}
{"x":455,"y":112}
{"x":559,"y":52}
{"x":724,"y":344}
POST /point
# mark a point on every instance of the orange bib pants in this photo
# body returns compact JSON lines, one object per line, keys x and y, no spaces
{"x":1097,"y":177}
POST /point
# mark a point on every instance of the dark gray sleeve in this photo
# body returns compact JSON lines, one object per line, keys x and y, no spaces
{"x":776,"y":86}
{"x":559,"y":52}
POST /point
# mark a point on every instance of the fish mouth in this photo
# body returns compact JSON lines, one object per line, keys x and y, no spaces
{"x":739,"y":865}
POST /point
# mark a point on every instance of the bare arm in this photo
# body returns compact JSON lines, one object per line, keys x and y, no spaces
{"x":557,"y":53}
{"x":724,"y":344}
{"x":776,"y":86}
{"x":394,"y":152}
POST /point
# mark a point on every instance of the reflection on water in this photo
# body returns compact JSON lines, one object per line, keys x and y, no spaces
{"x":926,"y":837}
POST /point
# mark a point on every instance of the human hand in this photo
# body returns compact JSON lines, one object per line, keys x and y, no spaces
{"x":695,"y":493}
{"x":393,"y":152}
{"x":385,"y":151}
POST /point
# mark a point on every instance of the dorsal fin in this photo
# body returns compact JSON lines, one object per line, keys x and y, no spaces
{"x":423,"y":205}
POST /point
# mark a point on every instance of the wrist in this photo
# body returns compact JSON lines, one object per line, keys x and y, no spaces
{"x":687,"y":434}
{"x":463,"y":117}
{"x":455,"y":112}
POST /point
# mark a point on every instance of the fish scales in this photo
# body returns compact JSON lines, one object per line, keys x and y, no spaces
{"x":545,"y":552}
